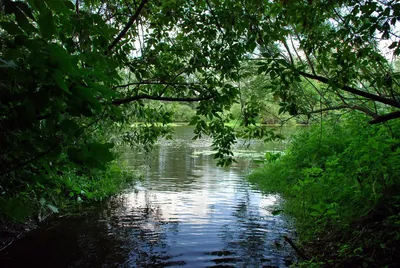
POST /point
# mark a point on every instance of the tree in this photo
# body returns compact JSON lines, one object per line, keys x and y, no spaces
{"x":337,"y":47}
{"x":71,"y":72}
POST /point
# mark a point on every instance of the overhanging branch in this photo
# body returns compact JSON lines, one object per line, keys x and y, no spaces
{"x":149,"y":97}
{"x":352,"y":107}
{"x":353,"y":90}
{"x":156,"y":83}
{"x":385,"y":117}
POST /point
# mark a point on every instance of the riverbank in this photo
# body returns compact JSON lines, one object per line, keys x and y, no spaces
{"x":21,"y":215}
{"x":341,"y":184}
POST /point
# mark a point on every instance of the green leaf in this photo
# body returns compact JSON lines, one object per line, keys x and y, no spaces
{"x":101,"y":151}
{"x":105,"y":91}
{"x":393,"y":45}
{"x":52,"y":208}
{"x":59,"y":79}
{"x":276,"y":212}
{"x":58,"y":6}
{"x":24,"y":23}
{"x":69,"y":4}
{"x":46,"y":24}
{"x":11,"y":27}
{"x":69,"y":126}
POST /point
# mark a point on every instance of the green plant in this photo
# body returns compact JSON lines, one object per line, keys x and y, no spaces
{"x":336,"y":176}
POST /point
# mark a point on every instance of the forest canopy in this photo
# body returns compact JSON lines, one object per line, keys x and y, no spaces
{"x":75,"y":74}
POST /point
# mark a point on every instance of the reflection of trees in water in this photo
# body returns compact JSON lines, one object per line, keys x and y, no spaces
{"x":119,"y":234}
{"x":143,"y":234}
{"x":109,"y":235}
{"x":249,"y":241}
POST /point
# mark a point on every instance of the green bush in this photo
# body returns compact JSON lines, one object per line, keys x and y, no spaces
{"x":42,"y":198}
{"x":181,"y":112}
{"x":337,"y":174}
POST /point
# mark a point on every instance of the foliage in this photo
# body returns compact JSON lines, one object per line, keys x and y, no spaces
{"x":336,"y":48}
{"x":257,"y":104}
{"x":43,"y":198}
{"x":76,"y":76}
{"x":182,"y":112}
{"x":339,"y":175}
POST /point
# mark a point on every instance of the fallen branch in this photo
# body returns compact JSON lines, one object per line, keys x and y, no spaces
{"x":296,"y":248}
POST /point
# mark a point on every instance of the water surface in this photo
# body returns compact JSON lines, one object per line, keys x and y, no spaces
{"x":187,"y":212}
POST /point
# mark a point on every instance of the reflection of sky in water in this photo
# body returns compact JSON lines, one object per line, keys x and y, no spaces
{"x":210,"y":215}
{"x":187,"y":212}
{"x":197,"y":206}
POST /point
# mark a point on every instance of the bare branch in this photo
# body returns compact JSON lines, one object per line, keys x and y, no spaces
{"x":77,"y":7}
{"x":149,"y":97}
{"x":295,"y":51}
{"x":215,"y":17}
{"x":149,"y":82}
{"x":352,"y":107}
{"x":132,"y":19}
{"x":385,"y":117}
{"x":306,"y":54}
{"x":288,"y":51}
{"x":353,"y":90}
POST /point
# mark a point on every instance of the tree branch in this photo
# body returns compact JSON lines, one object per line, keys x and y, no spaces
{"x":132,"y":19}
{"x":353,"y":90}
{"x":385,"y":117}
{"x":149,"y":97}
{"x":149,"y":82}
{"x":214,"y":17}
{"x":352,"y":107}
{"x":288,"y":51}
{"x":306,"y":54}
{"x":77,"y":7}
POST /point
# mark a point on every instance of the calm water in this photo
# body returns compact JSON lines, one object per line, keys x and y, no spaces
{"x":186,"y":212}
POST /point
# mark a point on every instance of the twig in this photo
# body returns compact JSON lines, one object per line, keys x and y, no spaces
{"x":132,"y":19}
{"x":6,"y":246}
{"x":296,"y":248}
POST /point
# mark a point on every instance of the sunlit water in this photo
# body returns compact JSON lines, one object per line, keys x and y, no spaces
{"x":186,"y":212}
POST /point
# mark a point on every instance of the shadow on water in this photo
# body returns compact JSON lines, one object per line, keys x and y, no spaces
{"x":187,"y":212}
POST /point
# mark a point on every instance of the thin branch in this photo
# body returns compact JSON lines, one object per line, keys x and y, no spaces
{"x":77,"y":7}
{"x":3,"y":248}
{"x":353,"y":90}
{"x":132,"y":19}
{"x":352,"y":107}
{"x":300,"y":252}
{"x":288,"y":50}
{"x":149,"y":97}
{"x":215,"y":17}
{"x":306,"y":54}
{"x":149,"y":82}
{"x":385,"y":117}
{"x":295,"y":51}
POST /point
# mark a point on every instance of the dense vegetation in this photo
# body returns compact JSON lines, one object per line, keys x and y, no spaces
{"x":79,"y":77}
{"x":341,"y":183}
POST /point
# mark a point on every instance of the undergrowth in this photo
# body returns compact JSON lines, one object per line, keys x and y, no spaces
{"x":341,"y":183}
{"x":38,"y":200}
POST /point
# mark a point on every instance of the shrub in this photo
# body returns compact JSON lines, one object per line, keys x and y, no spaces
{"x":334,"y":176}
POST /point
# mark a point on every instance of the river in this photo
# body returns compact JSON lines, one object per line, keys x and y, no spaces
{"x":186,"y":212}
